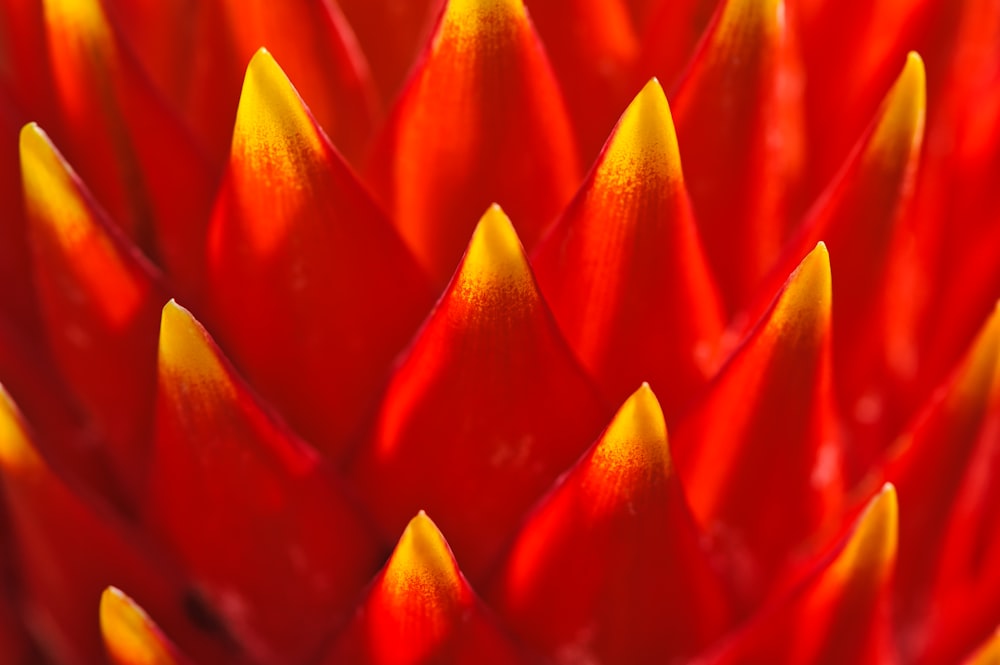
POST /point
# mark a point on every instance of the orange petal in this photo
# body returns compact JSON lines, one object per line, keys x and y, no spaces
{"x":594,"y":49}
{"x":857,"y":218}
{"x":946,"y":471}
{"x":485,"y":410}
{"x":988,"y":653}
{"x":767,"y":421}
{"x":624,"y":270}
{"x":481,"y":120}
{"x":302,"y":261}
{"x":197,"y":52}
{"x":130,"y":636}
{"x":738,"y":112}
{"x":260,"y":523}
{"x":99,"y":298}
{"x":837,"y":614}
{"x":610,"y":567}
{"x":128,"y":145}
{"x":420,"y":609}
{"x":70,"y":549}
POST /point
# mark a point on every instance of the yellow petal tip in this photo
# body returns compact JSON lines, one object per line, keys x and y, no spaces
{"x":186,"y":351}
{"x":901,"y":122}
{"x":808,"y":295}
{"x":129,"y":635}
{"x":644,"y":144}
{"x":16,"y":450}
{"x":495,"y":256}
{"x":637,"y":435}
{"x":422,"y":563}
{"x":50,"y":191}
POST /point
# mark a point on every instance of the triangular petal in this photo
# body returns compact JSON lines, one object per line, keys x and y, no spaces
{"x":763,"y":440}
{"x":610,"y":567}
{"x":420,"y":610}
{"x":946,"y":470}
{"x":250,"y":510}
{"x":481,"y":120}
{"x":486,"y":409}
{"x":134,"y":153}
{"x":837,"y":614}
{"x":302,"y":261}
{"x":100,"y":301}
{"x":130,"y":636}
{"x":69,"y":549}
{"x":624,"y":271}
{"x":739,"y":121}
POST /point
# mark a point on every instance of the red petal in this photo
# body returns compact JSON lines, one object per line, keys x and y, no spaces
{"x":857,"y":218}
{"x":481,"y":120}
{"x":69,"y":550}
{"x":624,"y":270}
{"x":420,"y":610}
{"x":486,"y":409}
{"x":671,"y":34}
{"x":131,"y":149}
{"x":610,"y":568}
{"x":249,"y":509}
{"x":99,"y":299}
{"x":738,"y":112}
{"x":594,"y":49}
{"x":946,"y":471}
{"x":763,"y":440}
{"x":302,"y":261}
{"x":130,"y":636}
{"x":840,"y":613}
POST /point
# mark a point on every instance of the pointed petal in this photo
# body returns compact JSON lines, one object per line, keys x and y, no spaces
{"x":130,"y":636}
{"x":767,"y":420}
{"x":481,"y":120}
{"x":302,"y":261}
{"x":623,"y":269}
{"x":486,"y":409}
{"x":857,"y":218}
{"x":946,"y":471}
{"x":739,"y":119}
{"x":99,"y":299}
{"x":261,"y":524}
{"x":594,"y":52}
{"x":127,"y":144}
{"x":609,"y":567}
{"x":839,"y":613}
{"x":420,"y":609}
{"x":69,"y":549}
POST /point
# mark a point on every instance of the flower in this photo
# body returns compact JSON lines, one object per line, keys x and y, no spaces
{"x":398,"y":364}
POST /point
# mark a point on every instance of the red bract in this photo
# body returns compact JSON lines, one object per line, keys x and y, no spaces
{"x":251,"y":333}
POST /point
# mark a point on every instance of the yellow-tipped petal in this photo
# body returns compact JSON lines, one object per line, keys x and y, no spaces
{"x":904,"y":112}
{"x":469,"y":18}
{"x":742,"y":17}
{"x":422,"y":565}
{"x":981,"y":373}
{"x":130,"y":636}
{"x":16,"y":450}
{"x":495,"y":258}
{"x":83,"y":20}
{"x":807,"y":299}
{"x":871,"y":550}
{"x":50,"y":185}
{"x":636,"y":439}
{"x":644,"y":144}
{"x":186,"y":352}
{"x":988,"y":653}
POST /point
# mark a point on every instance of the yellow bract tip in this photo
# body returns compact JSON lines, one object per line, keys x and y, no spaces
{"x":873,"y":544}
{"x":422,"y":564}
{"x":980,"y":373}
{"x":185,"y":349}
{"x":807,"y":298}
{"x":495,"y":255}
{"x":466,"y":9}
{"x":273,"y":128}
{"x":644,"y":144}
{"x":901,"y":122}
{"x":748,"y":17}
{"x":16,"y":449}
{"x":50,"y":189}
{"x":128,"y":633}
{"x":637,"y":435}
{"x":80,"y":17}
